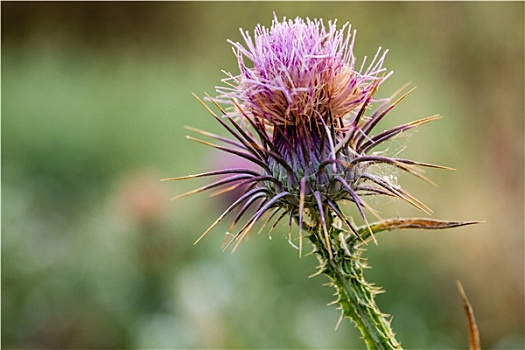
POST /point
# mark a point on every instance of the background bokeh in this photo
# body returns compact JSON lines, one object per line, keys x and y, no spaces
{"x":94,"y":255}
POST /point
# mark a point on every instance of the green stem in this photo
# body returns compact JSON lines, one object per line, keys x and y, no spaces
{"x":354,"y":294}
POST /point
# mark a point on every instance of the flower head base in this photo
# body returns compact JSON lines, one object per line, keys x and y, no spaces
{"x":297,"y":110}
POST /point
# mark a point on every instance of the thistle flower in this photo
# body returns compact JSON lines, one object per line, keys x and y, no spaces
{"x":297,"y":111}
{"x":301,"y":111}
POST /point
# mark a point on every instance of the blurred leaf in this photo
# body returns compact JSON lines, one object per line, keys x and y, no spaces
{"x":472,"y":326}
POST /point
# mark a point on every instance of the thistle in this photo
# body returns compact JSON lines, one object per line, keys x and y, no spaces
{"x":300,"y":109}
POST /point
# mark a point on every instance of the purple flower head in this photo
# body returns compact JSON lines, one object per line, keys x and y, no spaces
{"x":299,"y":110}
{"x":300,"y":72}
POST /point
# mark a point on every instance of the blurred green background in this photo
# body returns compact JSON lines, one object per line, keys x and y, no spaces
{"x":94,"y":255}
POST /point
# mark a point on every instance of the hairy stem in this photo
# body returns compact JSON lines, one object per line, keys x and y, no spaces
{"x":354,"y":295}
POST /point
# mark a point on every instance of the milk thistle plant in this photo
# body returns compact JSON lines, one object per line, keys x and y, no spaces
{"x":300,"y":110}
